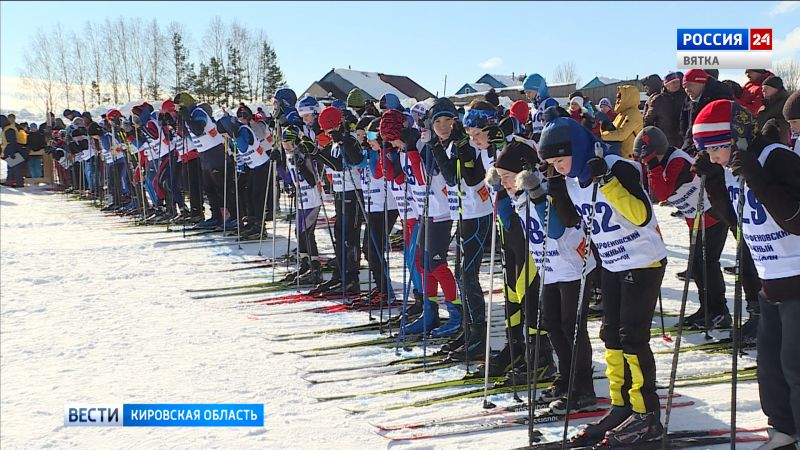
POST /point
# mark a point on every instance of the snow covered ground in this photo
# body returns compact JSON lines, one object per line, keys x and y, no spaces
{"x":95,"y":311}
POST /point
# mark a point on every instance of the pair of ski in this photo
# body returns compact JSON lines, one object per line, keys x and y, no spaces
{"x":675,"y":439}
{"x":455,"y":425}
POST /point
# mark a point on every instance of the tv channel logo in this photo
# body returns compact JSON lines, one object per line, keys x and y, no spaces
{"x":724,"y":48}
{"x":164,"y":415}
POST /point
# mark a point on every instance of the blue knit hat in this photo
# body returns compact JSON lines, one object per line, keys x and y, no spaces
{"x":389,"y":101}
{"x":307,"y":105}
{"x":535,"y":82}
{"x":286,"y":96}
{"x":566,"y":137}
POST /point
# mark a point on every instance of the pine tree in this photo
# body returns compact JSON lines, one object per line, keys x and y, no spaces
{"x":217,"y":86}
{"x":274,"y":75}
{"x":202,"y":83}
{"x":236,"y":90}
{"x":184,"y":71}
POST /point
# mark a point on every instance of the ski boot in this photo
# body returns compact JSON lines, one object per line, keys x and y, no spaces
{"x":328,"y":286}
{"x":451,"y":344}
{"x":594,"y":432}
{"x":556,"y":391}
{"x":415,"y":309}
{"x":305,"y":265}
{"x":453,"y":324}
{"x":426,"y":322}
{"x":208,"y":224}
{"x":779,"y":441}
{"x":634,"y":430}
{"x":474,"y":348}
{"x":578,"y":403}
{"x":312,"y":276}
{"x":749,"y":330}
{"x":501,"y":363}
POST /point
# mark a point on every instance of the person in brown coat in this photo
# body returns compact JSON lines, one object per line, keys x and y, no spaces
{"x":665,"y":109}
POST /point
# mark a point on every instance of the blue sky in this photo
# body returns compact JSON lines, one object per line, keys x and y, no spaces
{"x":426,"y":40}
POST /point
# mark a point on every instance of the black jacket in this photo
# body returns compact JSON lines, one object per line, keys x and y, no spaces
{"x":714,"y":90}
{"x":665,"y":114}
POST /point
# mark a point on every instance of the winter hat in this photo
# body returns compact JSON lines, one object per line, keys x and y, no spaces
{"x":167,"y":106}
{"x":671,"y":76}
{"x":653,"y":82}
{"x":535,"y":82}
{"x":576,"y":94}
{"x":481,"y":114}
{"x":184,"y":99}
{"x":712,"y":126}
{"x":605,"y":101}
{"x":338,"y":104}
{"x":67,"y":112}
{"x":515,"y":156}
{"x":286,"y":96}
{"x":714,"y":73}
{"x":492,"y":98}
{"x":389,"y":101}
{"x":761,"y":71}
{"x":307,"y":105}
{"x":566,"y":137}
{"x":520,"y":110}
{"x":650,"y":139}
{"x":775,"y":82}
{"x":791,"y":109}
{"x":578,"y":100}
{"x":244,"y":112}
{"x":355,"y":98}
{"x":420,"y":109}
{"x":330,"y":118}
{"x":695,"y":76}
{"x":374,"y":126}
{"x":391,"y":124}
{"x":78,"y":122}
{"x":442,"y":107}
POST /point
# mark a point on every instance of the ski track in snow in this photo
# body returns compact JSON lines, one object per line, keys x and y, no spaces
{"x":93,"y":313}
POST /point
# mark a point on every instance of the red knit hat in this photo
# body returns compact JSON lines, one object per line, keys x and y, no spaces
{"x":330,"y":118}
{"x":695,"y":76}
{"x":520,"y":111}
{"x":391,"y":124}
{"x":712,"y":126}
{"x":168,"y":106}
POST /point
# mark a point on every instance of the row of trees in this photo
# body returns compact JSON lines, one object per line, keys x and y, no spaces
{"x":126,"y":59}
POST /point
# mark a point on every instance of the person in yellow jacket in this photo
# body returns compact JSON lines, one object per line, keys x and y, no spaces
{"x":627,"y":124}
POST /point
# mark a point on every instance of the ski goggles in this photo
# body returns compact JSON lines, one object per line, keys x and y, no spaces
{"x":372,"y":135}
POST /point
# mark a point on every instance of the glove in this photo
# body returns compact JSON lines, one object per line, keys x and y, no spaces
{"x":650,"y":160}
{"x":598,"y":169}
{"x":308,"y":146}
{"x":493,"y":178}
{"x":530,"y":182}
{"x":410,"y":137}
{"x":702,"y":164}
{"x":548,"y":170}
{"x":458,"y":135}
{"x":497,"y":139}
{"x":337,"y":135}
{"x":745,"y":164}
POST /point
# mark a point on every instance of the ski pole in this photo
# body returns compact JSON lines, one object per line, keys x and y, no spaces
{"x":689,"y":269}
{"x":493,"y":248}
{"x":270,"y":173}
{"x":532,"y":363}
{"x":737,"y":309}
{"x":705,"y":271}
{"x":279,"y":135}
{"x":459,"y":266}
{"x":587,"y":240}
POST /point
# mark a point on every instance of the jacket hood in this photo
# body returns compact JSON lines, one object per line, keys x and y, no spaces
{"x":4,"y":122}
{"x":536,"y":82}
{"x":628,"y":98}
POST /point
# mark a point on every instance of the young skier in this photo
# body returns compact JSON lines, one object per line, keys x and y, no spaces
{"x":309,"y":199}
{"x":607,"y":192}
{"x":671,"y":180}
{"x":758,"y":178}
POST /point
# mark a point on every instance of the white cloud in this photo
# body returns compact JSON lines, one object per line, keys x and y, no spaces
{"x":492,"y":62}
{"x":783,"y":7}
{"x":788,"y":46}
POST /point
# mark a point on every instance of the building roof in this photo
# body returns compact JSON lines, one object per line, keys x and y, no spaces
{"x":471,"y":88}
{"x":339,"y":82}
{"x":504,"y":80}
{"x":600,"y":81}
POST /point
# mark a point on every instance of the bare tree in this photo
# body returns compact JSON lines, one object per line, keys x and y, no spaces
{"x":789,"y":71}
{"x":121,"y":44}
{"x":155,"y":60}
{"x":63,"y":60}
{"x":217,"y":38}
{"x":78,"y":67}
{"x":137,"y":54}
{"x":112,"y":58}
{"x":566,"y":72}
{"x":96,"y":52}
{"x":40,"y":75}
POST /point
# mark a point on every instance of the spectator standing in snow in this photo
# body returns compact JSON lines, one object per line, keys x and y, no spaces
{"x":652,"y":87}
{"x":771,"y":111}
{"x":701,"y":89}
{"x":628,"y":122}
{"x":752,"y":96}
{"x":665,"y":109}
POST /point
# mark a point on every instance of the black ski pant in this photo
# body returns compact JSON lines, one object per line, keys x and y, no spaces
{"x":629,"y":300}
{"x":751,"y":284}
{"x":779,"y":363}
{"x":189,"y":175}
{"x":256,"y":193}
{"x":375,"y":245}
{"x":475,"y":236}
{"x":115,"y":182}
{"x":346,"y":228}
{"x":711,"y":287}
{"x":215,"y":182}
{"x":521,"y":289}
{"x":559,"y":313}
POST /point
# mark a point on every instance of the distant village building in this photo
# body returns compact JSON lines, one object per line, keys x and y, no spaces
{"x":339,"y":82}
